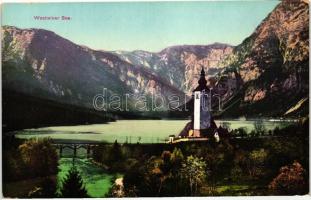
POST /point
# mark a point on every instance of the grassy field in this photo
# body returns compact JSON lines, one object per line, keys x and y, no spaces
{"x":96,"y":180}
{"x":236,"y":188}
{"x":132,"y":131}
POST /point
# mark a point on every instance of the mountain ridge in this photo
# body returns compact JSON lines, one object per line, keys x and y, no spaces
{"x":272,"y":63}
{"x":44,"y":54}
{"x":252,"y":78}
{"x":41,"y":63}
{"x":180,"y":64}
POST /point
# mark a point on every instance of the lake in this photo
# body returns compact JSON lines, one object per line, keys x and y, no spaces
{"x":132,"y":131}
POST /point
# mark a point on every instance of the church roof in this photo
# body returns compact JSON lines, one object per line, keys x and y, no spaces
{"x":202,"y":82}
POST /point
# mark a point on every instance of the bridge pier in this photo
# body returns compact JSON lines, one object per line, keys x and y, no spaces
{"x":74,"y":151}
{"x":88,"y":151}
{"x":60,"y":151}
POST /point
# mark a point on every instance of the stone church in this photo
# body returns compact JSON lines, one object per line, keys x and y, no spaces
{"x":202,"y":123}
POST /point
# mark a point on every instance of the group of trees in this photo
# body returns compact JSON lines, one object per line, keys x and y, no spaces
{"x":249,"y":165}
{"x":170,"y":174}
{"x":29,"y":159}
{"x":261,"y":130}
{"x":38,"y":159}
{"x":71,"y":187}
{"x":186,"y":169}
{"x":39,"y":156}
{"x":110,"y":156}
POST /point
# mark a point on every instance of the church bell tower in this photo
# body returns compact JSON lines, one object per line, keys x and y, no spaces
{"x":202,"y":105}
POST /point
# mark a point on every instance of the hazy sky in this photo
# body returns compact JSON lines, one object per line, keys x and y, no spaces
{"x":148,"y":26}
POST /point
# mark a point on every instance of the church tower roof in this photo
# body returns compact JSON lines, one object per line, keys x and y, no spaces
{"x":202,"y":82}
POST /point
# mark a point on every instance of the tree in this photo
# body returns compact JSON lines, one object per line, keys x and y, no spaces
{"x":242,"y":131}
{"x":115,"y":153}
{"x":239,"y":168}
{"x":194,"y":171}
{"x":165,"y":165}
{"x":290,"y":181}
{"x":256,"y":163}
{"x":249,"y":165}
{"x":276,"y":131}
{"x":215,"y":159}
{"x":176,"y":185}
{"x":284,"y":150}
{"x":39,"y":156}
{"x":14,"y":166}
{"x":99,"y":154}
{"x":163,"y":176}
{"x":133,"y":181}
{"x":73,"y":186}
{"x":176,"y":160}
{"x":260,"y":128}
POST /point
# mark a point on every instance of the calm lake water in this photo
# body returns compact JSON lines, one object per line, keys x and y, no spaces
{"x":132,"y":131}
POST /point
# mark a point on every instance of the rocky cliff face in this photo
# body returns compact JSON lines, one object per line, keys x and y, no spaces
{"x":41,"y":63}
{"x":269,"y":70}
{"x":180,"y":65}
{"x":266,"y":75}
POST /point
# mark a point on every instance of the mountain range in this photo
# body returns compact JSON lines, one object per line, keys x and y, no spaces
{"x":266,"y":75}
{"x":40,"y":63}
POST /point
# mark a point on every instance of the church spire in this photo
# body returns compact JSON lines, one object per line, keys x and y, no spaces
{"x":202,"y":81}
{"x":202,"y":72}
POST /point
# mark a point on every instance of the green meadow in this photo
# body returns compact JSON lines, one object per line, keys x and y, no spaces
{"x":97,"y":181}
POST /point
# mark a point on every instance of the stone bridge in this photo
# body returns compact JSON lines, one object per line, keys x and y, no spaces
{"x":88,"y":146}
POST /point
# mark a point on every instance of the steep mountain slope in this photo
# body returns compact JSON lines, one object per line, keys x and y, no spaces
{"x":269,"y":72}
{"x":180,"y":65}
{"x":40,"y":63}
{"x":266,"y":75}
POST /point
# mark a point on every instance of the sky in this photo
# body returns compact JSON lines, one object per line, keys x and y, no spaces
{"x":150,"y":26}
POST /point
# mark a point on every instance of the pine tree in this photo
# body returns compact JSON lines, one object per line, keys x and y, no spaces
{"x":73,"y":186}
{"x":116,"y":152}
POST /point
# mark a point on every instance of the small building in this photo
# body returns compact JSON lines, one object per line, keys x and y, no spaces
{"x":171,"y":138}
